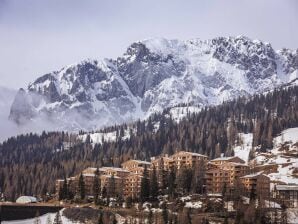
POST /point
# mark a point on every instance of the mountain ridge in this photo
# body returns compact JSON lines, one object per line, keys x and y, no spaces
{"x":153,"y":75}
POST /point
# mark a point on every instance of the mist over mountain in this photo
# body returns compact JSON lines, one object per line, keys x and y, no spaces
{"x":150,"y":76}
{"x":6,"y":98}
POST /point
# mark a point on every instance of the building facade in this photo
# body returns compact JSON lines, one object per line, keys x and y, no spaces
{"x":256,"y":184}
{"x":224,"y":175}
{"x":287,"y":195}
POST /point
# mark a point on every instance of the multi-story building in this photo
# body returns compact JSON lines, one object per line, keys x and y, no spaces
{"x":132,"y":164}
{"x":112,"y":184}
{"x":188,"y":159}
{"x":163,"y":163}
{"x":222,"y":160}
{"x":257,"y":184}
{"x":287,"y":195}
{"x":225,"y":175}
{"x":133,"y":180}
{"x":132,"y":187}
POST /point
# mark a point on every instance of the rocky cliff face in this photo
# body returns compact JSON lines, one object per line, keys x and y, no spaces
{"x":152,"y":75}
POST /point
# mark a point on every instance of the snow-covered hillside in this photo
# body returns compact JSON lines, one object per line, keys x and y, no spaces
{"x":284,"y":155}
{"x":243,"y":149}
{"x":42,"y":220}
{"x":153,"y":75}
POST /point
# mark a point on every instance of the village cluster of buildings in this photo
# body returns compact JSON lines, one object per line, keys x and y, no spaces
{"x":228,"y":173}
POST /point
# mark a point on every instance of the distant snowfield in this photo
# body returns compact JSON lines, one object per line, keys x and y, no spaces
{"x":43,"y":220}
{"x":288,"y":135}
{"x":243,"y":150}
{"x":178,"y":113}
{"x":99,"y":137}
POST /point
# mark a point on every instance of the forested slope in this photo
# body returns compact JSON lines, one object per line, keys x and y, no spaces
{"x":29,"y":164}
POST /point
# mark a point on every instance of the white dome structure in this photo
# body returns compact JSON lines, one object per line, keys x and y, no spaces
{"x":26,"y":200}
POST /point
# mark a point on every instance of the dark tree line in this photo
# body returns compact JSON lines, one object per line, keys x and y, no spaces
{"x":30,"y":164}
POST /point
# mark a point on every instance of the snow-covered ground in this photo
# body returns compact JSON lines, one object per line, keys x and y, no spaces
{"x":43,"y":220}
{"x":283,"y":147}
{"x":288,"y":135}
{"x":98,"y":137}
{"x":178,"y":113}
{"x":292,"y":215}
{"x":243,"y":150}
{"x":193,"y":204}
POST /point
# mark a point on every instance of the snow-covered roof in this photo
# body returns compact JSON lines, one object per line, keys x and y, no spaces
{"x":139,"y":161}
{"x":239,"y":164}
{"x":287,"y":187}
{"x":115,"y":169}
{"x":26,"y":199}
{"x":253,"y":175}
{"x":88,"y":174}
{"x":190,"y":153}
{"x":224,"y":158}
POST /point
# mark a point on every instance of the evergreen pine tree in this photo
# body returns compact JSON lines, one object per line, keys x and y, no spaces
{"x":100,"y":218}
{"x":224,"y":190}
{"x":150,"y":217}
{"x":188,"y":217}
{"x":81,"y":187}
{"x":37,"y":218}
{"x":65,"y":189}
{"x":145,"y":186}
{"x":57,"y":219}
{"x":112,"y":187}
{"x":96,"y":186}
{"x":153,"y":185}
{"x":171,"y":183}
{"x":165,"y":215}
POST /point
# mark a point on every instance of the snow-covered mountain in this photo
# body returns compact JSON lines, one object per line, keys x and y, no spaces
{"x":153,"y":75}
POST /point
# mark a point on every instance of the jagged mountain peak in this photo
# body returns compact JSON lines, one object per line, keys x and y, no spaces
{"x":154,"y":74}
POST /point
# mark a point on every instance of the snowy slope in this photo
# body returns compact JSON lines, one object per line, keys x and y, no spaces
{"x":43,"y":220}
{"x":242,"y":150}
{"x":284,"y":154}
{"x":153,"y":75}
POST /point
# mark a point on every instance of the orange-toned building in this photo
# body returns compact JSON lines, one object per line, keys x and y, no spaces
{"x":133,"y":164}
{"x":223,"y":160}
{"x":225,"y":174}
{"x":132,"y":187}
{"x":112,"y":184}
{"x":188,"y":159}
{"x":256,"y":183}
{"x":163,"y":163}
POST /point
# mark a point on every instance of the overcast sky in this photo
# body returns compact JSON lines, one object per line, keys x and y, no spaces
{"x":39,"y":36}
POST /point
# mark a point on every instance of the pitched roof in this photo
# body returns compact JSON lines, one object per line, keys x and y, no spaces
{"x":138,"y":161}
{"x":190,"y":153}
{"x":119,"y":169}
{"x":253,"y":175}
{"x":287,"y":187}
{"x":224,"y":158}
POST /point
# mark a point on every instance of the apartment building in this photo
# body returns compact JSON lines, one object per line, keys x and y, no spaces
{"x":163,"y":163}
{"x":226,"y":174}
{"x":287,"y":195}
{"x":132,"y":187}
{"x":256,"y":183}
{"x":133,"y":164}
{"x":113,"y":185}
{"x":187,"y":159}
{"x":223,"y":160}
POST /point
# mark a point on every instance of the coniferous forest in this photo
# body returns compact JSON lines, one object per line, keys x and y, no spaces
{"x":30,"y":164}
